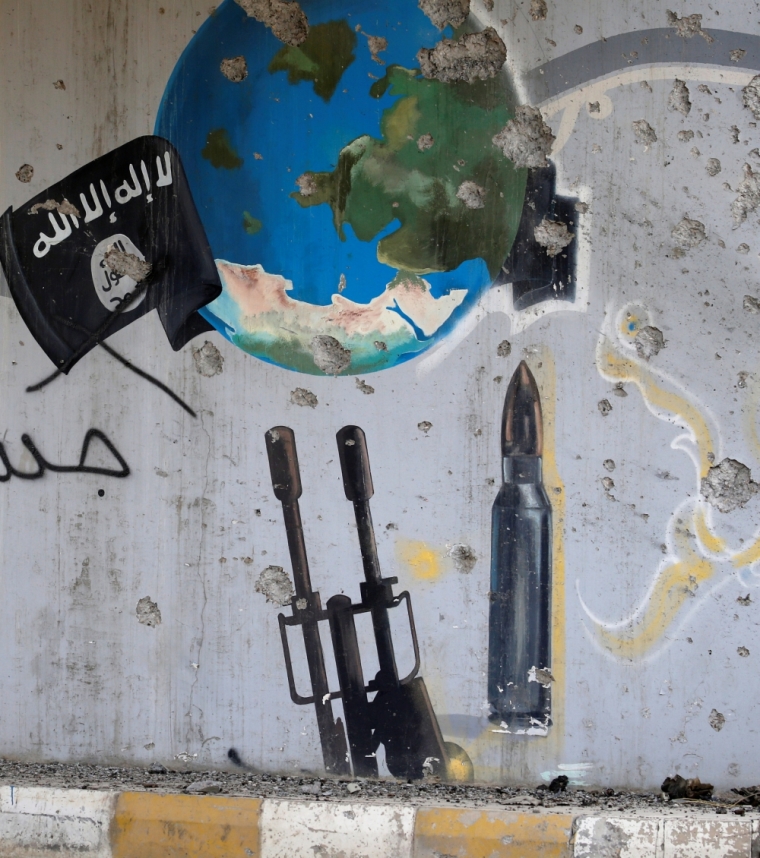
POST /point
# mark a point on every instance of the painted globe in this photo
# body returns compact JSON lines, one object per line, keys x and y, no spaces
{"x":356,"y":209}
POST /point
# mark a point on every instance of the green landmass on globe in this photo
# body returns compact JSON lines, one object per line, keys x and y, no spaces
{"x":410,"y":175}
{"x":322,"y":58}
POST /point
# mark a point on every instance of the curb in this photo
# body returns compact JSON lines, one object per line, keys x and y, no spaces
{"x":37,"y":821}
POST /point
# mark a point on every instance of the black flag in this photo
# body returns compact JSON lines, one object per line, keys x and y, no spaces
{"x":135,"y":199}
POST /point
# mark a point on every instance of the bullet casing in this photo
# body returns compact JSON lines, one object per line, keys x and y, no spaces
{"x":520,"y":609}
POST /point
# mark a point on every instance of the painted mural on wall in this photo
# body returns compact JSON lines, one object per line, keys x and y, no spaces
{"x":345,"y":187}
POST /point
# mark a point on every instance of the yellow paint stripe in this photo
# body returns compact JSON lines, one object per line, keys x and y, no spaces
{"x":615,"y":367}
{"x":147,"y":825}
{"x":712,"y":543}
{"x":470,"y":833}
{"x":748,"y":556}
{"x":546,"y":375}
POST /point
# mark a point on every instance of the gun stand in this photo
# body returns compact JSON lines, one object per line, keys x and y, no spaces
{"x":401,"y":716}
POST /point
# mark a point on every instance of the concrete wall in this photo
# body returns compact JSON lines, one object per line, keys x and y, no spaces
{"x":654,"y":588}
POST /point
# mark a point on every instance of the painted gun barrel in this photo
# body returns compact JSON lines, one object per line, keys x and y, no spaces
{"x":519,"y":633}
{"x":307,"y":608}
{"x":401,"y":716}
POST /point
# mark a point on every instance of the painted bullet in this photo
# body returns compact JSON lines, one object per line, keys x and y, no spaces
{"x":519,"y":632}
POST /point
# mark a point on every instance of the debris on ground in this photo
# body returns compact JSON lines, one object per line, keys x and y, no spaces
{"x":239,"y":780}
{"x":678,"y":787}
{"x":751,"y":795}
{"x":559,"y":784}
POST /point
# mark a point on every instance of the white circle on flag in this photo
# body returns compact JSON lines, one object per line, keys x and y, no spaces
{"x":110,"y":287}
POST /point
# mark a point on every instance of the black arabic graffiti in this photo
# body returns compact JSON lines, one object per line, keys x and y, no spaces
{"x":43,"y":465}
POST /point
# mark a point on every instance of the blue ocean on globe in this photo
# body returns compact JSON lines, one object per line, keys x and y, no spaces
{"x":329,"y":183}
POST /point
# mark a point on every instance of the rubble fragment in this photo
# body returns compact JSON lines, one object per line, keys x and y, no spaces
{"x":749,"y":196}
{"x":678,"y":100}
{"x":553,"y":235}
{"x":474,"y":56}
{"x":679,"y":787}
{"x":728,"y":485}
{"x":688,"y":26}
{"x":527,"y":139}
{"x":285,"y":18}
{"x":445,"y":12}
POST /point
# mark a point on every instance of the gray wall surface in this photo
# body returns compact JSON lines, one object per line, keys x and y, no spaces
{"x":655,"y":589}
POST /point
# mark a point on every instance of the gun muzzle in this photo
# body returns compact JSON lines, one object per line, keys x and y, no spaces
{"x":354,"y":464}
{"x":283,"y":464}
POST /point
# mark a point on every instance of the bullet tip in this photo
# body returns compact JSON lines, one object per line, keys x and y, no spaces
{"x":522,"y":422}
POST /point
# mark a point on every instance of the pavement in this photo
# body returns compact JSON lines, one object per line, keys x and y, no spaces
{"x":156,"y":813}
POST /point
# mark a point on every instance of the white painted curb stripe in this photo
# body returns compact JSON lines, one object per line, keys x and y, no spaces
{"x":666,"y":837}
{"x":69,"y":821}
{"x":298,"y":829}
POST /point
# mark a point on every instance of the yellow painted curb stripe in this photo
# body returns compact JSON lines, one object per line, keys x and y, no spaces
{"x":471,"y":833}
{"x":146,"y":825}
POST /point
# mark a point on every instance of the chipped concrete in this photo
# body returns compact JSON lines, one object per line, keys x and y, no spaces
{"x":444,"y":12}
{"x":464,"y":558}
{"x":743,"y":249}
{"x":275,"y":585}
{"x":604,"y":407}
{"x":472,"y":195}
{"x":527,"y":139}
{"x":25,"y":173}
{"x":504,"y":349}
{"x":728,"y":485}
{"x":601,"y":838}
{"x":750,"y":304}
{"x":685,"y":136}
{"x":364,"y":387}
{"x":688,"y":26}
{"x":688,"y":233}
{"x":307,"y":184}
{"x":713,"y":167}
{"x":59,"y":84}
{"x":542,"y":675}
{"x":553,"y":236}
{"x":644,"y":132}
{"x":381,"y":346}
{"x":649,"y":341}
{"x":148,"y":613}
{"x":285,"y":19}
{"x":127,"y":264}
{"x":376,"y":45}
{"x":538,"y":10}
{"x":64,"y":207}
{"x":609,"y":464}
{"x":736,"y":55}
{"x":751,"y":96}
{"x":234,"y":69}
{"x":208,"y":360}
{"x":425,"y":426}
{"x":608,"y":484}
{"x":474,"y":56}
{"x":742,"y":651}
{"x":304,"y":398}
{"x":329,"y":354}
{"x":679,"y":100}
{"x":425,"y":142}
{"x":716,"y":720}
{"x":749,"y":196}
